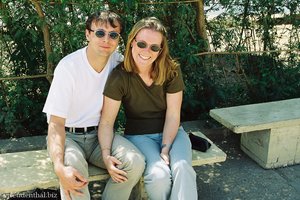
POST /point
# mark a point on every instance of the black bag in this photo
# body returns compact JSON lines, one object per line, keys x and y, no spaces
{"x":199,"y":143}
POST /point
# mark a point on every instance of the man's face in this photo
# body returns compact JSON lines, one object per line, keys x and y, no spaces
{"x":103,"y":39}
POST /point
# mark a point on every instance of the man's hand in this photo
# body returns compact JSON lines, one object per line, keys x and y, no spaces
{"x":71,"y":181}
{"x":117,"y":175}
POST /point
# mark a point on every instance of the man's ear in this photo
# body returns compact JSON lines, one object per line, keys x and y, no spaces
{"x":87,"y":35}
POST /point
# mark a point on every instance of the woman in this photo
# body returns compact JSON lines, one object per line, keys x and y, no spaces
{"x":149,"y":84}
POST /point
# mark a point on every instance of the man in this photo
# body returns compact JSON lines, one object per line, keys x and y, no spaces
{"x":73,"y":108}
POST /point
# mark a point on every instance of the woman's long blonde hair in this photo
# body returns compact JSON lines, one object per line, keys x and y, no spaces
{"x":164,"y":67}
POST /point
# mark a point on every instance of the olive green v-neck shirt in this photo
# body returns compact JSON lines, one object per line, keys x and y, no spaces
{"x":145,"y":106}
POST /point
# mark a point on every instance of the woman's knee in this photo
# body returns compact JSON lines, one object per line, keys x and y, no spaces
{"x":158,"y":180}
{"x":182,"y":168}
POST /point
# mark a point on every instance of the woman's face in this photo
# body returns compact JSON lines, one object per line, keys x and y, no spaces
{"x":146,"y":47}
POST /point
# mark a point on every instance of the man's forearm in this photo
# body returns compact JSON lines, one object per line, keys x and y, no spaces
{"x":56,"y":145}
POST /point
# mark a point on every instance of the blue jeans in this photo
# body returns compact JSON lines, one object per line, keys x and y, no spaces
{"x":163,"y":182}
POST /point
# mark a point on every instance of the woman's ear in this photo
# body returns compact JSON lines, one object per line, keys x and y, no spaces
{"x":131,"y":43}
{"x":159,"y":52}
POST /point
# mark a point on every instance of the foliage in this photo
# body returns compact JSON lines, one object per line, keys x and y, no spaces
{"x":20,"y":112}
{"x":211,"y":80}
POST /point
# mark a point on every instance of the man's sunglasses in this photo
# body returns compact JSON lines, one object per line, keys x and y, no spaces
{"x":143,"y":45}
{"x":100,"y":33}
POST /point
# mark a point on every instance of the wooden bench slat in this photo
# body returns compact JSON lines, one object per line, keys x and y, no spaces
{"x":28,"y":170}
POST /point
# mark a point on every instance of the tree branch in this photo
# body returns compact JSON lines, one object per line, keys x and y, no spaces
{"x":201,"y":28}
{"x":46,"y":34}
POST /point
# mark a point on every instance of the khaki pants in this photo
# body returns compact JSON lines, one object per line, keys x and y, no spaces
{"x":83,"y":149}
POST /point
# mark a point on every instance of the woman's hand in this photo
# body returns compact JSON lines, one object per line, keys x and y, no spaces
{"x":117,"y":175}
{"x":165,"y":154}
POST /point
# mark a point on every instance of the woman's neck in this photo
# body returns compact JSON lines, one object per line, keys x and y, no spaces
{"x":145,"y":71}
{"x":145,"y":75}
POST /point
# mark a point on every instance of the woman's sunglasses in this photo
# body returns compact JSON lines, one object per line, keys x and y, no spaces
{"x":143,"y":45}
{"x":101,"y":33}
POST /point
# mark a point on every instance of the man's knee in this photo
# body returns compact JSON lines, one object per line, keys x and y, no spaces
{"x":134,"y":162}
{"x":71,"y":156}
{"x":77,"y":161}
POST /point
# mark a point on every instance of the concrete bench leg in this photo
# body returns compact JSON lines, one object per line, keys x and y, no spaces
{"x":273,"y":147}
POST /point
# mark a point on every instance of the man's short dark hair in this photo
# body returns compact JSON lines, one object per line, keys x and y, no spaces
{"x":105,"y":17}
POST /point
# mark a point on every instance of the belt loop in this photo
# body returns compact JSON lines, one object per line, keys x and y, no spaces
{"x":72,"y":129}
{"x":85,"y":129}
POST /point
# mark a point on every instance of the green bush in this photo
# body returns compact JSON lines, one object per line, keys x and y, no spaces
{"x":211,"y":80}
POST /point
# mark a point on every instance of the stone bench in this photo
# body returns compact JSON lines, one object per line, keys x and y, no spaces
{"x":28,"y":170}
{"x":270,"y":132}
